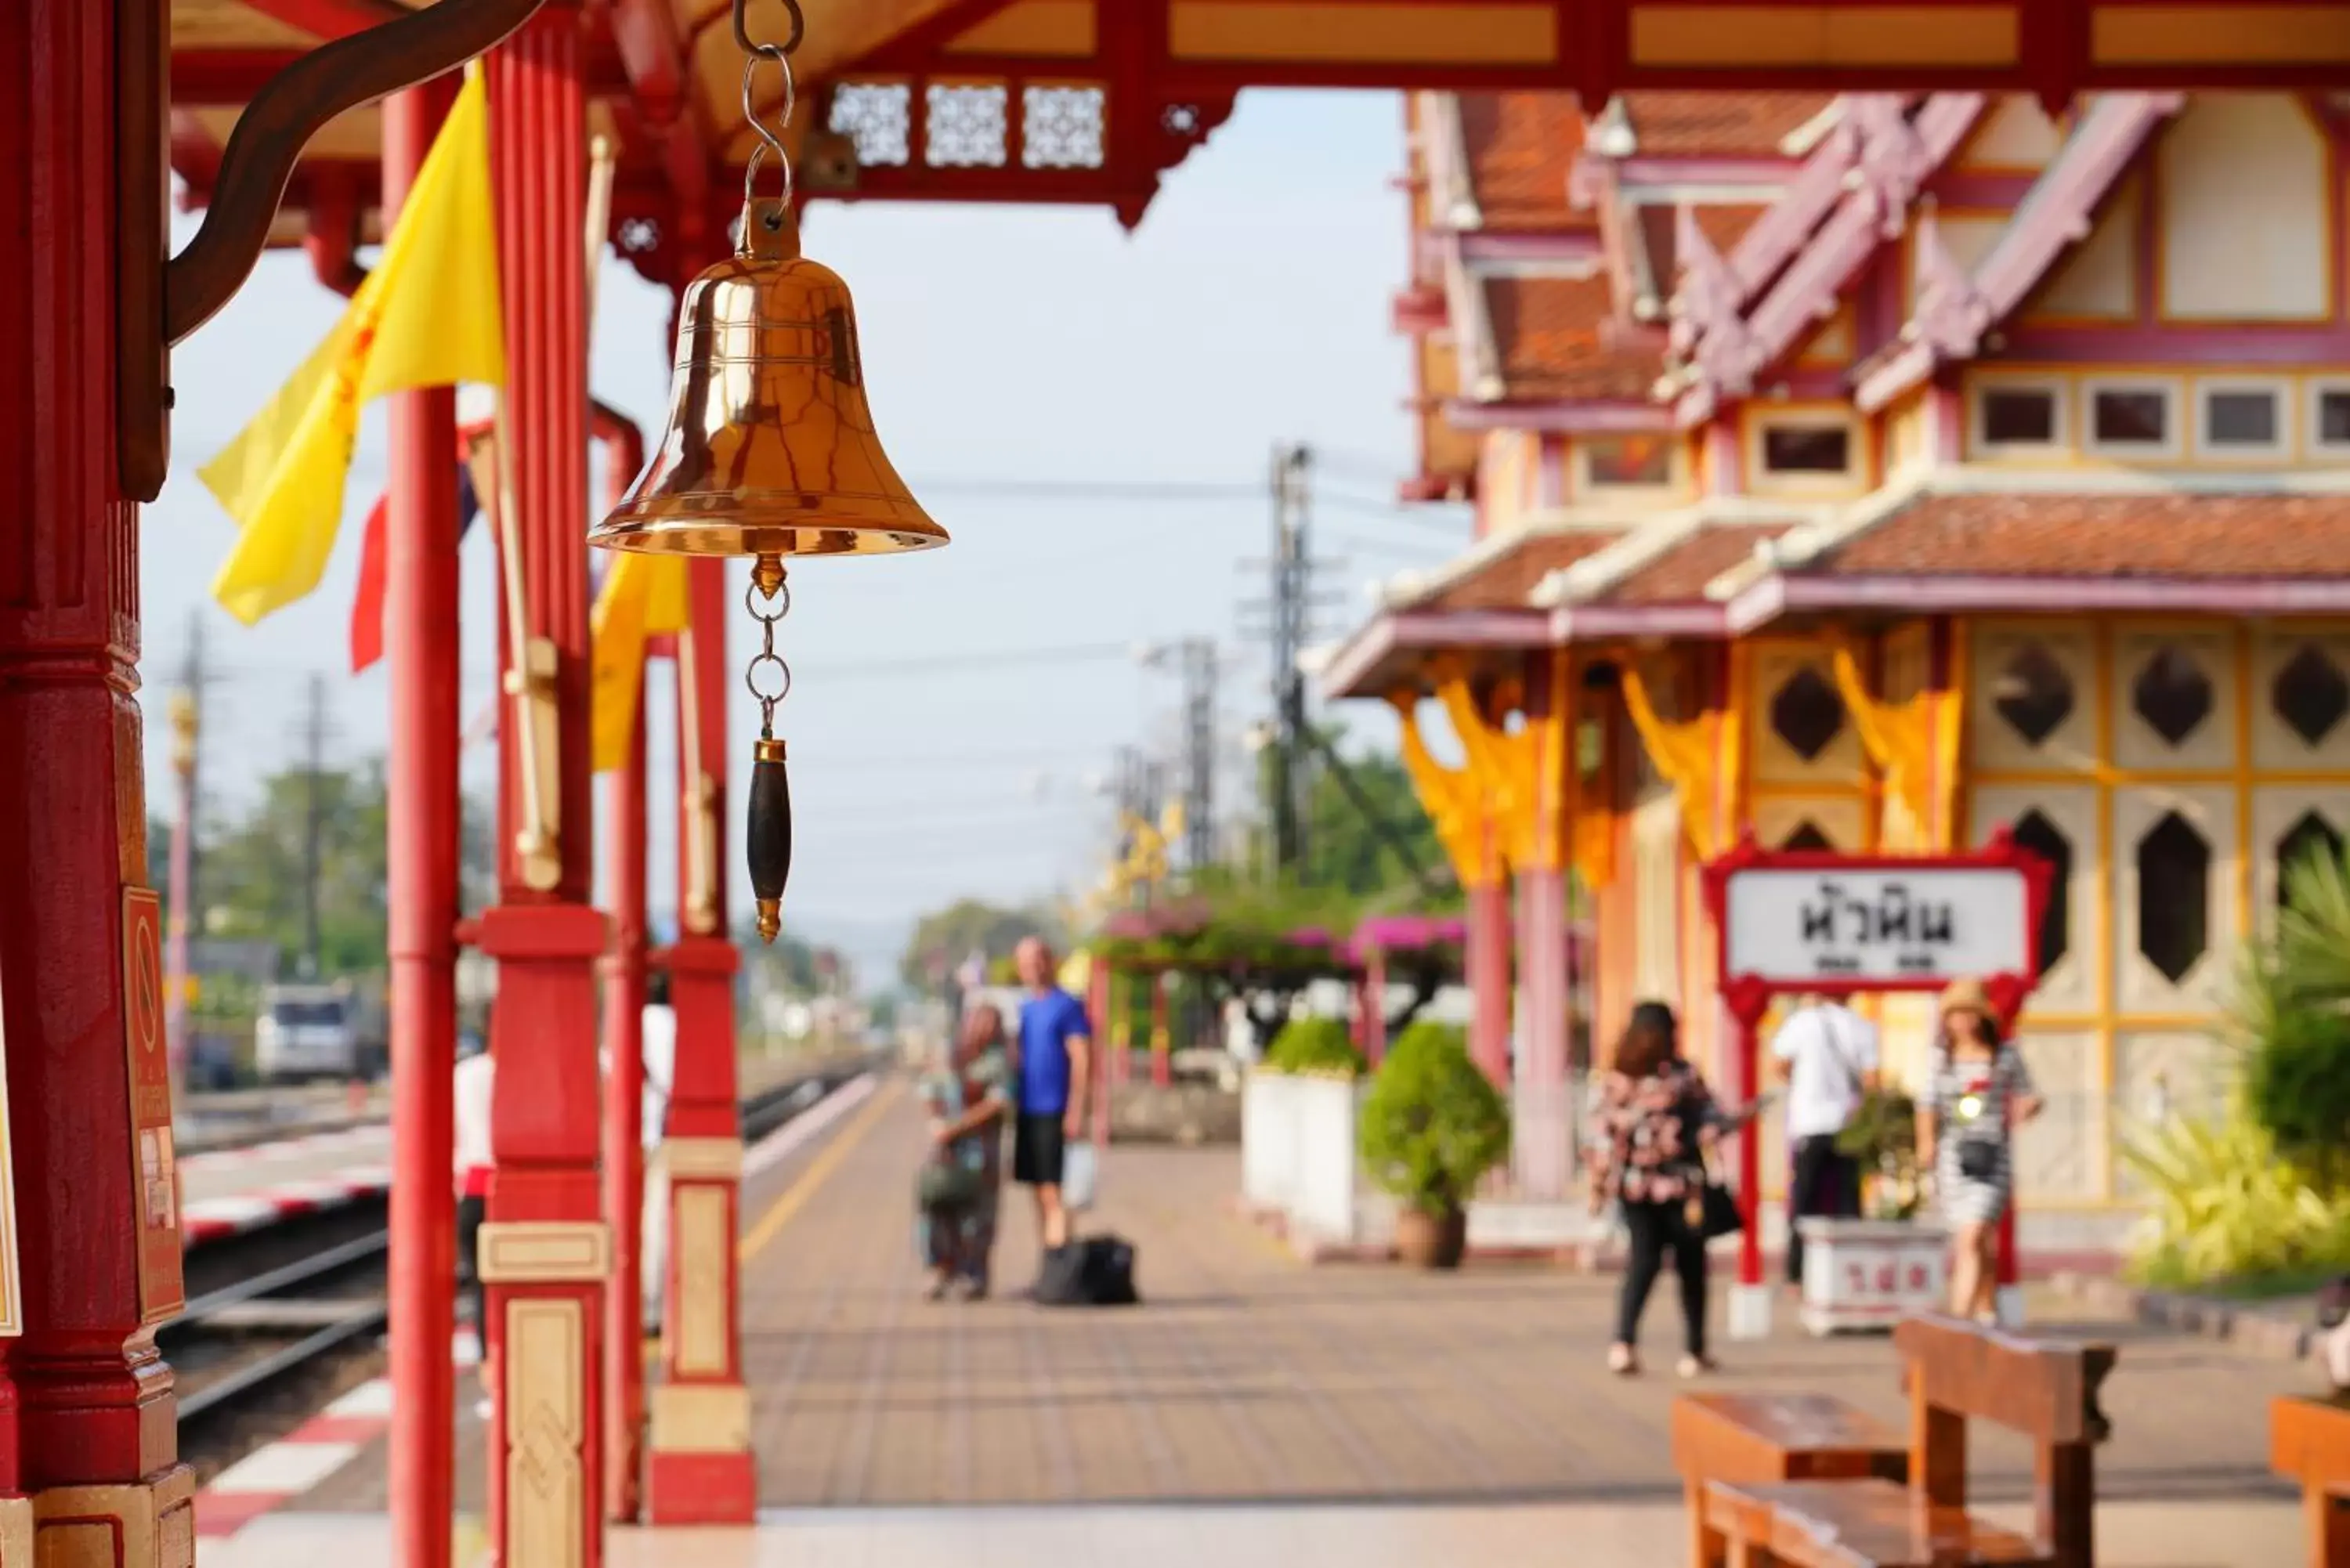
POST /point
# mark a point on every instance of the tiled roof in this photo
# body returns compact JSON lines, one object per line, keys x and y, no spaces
{"x":1521,"y":146}
{"x":1508,"y":579}
{"x":1679,"y":575}
{"x":1718,"y":124}
{"x":1555,"y":339}
{"x":2146,"y":537}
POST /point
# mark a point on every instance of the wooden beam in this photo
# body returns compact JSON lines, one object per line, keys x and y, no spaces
{"x":228,"y":79}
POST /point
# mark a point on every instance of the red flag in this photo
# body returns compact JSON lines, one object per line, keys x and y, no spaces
{"x":366,"y":604}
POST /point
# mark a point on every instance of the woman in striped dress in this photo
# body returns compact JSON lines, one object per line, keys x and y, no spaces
{"x":1980,"y":1093}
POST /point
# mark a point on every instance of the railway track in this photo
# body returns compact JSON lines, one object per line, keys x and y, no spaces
{"x":279,"y":1324}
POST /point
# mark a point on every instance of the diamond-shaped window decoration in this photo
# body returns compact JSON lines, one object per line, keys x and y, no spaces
{"x":1807,"y":836}
{"x":2311,"y":838}
{"x":2310,"y":694}
{"x":1807,"y":713}
{"x":2172,"y":694}
{"x":2174,"y":896}
{"x":2034,"y":694}
{"x":2045,"y":839}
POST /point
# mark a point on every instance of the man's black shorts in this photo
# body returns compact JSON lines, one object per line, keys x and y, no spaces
{"x":1038,"y":1150}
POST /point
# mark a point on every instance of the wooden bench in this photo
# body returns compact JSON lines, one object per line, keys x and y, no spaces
{"x":1955,"y":1372}
{"x":2309,"y":1441}
{"x":1760,"y":1438}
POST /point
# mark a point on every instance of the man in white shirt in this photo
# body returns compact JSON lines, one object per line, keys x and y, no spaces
{"x":1827,"y":1053}
{"x":660,"y":1028}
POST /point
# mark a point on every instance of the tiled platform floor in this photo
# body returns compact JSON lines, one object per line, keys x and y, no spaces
{"x":2264,"y":1534}
{"x":1247,"y":1378}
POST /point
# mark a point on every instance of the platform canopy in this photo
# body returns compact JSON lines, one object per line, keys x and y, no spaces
{"x":1092,"y":102}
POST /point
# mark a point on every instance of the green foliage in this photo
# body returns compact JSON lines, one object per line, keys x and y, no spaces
{"x":944,"y":938}
{"x":1433,"y":1124}
{"x":2230,"y":1206}
{"x":1883,"y":1137}
{"x":253,"y":866}
{"x":2291,"y":1017}
{"x":1345,"y":849}
{"x":2262,"y":1191}
{"x":1315,"y":1046}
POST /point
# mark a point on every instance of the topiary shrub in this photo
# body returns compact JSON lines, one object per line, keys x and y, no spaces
{"x":1315,"y":1046}
{"x":1433,"y":1124}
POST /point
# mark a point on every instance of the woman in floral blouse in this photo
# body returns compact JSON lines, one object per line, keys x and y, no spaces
{"x":1652,"y":1124}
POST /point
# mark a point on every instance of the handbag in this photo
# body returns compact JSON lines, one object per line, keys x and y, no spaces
{"x":1978,"y":1160}
{"x":946,"y":1184}
{"x":1712,"y":1211}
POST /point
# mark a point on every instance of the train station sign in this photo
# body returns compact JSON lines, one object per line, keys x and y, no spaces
{"x":1812,"y":920}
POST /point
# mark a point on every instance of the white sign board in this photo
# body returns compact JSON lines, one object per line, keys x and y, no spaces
{"x":1877,"y":924}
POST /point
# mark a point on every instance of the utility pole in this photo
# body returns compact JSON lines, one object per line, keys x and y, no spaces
{"x":187,"y":730}
{"x":314,"y":820}
{"x":1199,"y":754}
{"x":1292,"y":586}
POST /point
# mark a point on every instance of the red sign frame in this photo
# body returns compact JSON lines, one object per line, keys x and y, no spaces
{"x":154,"y":1170}
{"x":1747,"y":997}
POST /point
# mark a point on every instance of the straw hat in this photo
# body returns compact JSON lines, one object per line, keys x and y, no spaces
{"x":1966,"y":995}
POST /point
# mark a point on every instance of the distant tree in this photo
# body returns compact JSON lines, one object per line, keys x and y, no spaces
{"x":1364,"y":853}
{"x":963,"y":927}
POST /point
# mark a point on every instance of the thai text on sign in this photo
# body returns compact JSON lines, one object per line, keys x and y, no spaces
{"x":1861,"y":924}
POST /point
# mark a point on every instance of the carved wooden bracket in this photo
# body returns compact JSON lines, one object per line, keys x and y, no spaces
{"x":158,"y":302}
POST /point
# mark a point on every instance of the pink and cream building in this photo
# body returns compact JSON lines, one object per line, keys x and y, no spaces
{"x":1872,"y":471}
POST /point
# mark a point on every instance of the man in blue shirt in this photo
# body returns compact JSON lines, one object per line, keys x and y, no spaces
{"x":1055,"y":1072}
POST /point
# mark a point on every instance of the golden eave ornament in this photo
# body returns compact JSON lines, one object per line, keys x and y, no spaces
{"x":770,"y":451}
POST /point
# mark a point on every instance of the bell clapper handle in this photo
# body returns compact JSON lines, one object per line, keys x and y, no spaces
{"x":769,"y":840}
{"x":770,"y":837}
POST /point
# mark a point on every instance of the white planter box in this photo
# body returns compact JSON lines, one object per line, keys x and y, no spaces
{"x":1328,"y":1169}
{"x":1870,"y":1274}
{"x":1268,"y":1139}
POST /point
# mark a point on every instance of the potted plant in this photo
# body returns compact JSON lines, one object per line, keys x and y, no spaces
{"x":1432,"y":1127}
{"x":1882,"y":1140}
{"x":1318,"y":1046}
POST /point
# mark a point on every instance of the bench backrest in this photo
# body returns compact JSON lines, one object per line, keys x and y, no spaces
{"x":2046,"y":1391}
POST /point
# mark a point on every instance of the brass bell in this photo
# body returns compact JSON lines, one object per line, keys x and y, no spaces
{"x":770,"y":447}
{"x":769,"y":452}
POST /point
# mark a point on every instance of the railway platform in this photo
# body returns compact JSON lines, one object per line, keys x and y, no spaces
{"x":234,"y":1192}
{"x":1254,"y":1410}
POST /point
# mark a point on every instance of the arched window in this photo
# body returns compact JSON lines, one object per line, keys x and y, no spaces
{"x":2174,"y":897}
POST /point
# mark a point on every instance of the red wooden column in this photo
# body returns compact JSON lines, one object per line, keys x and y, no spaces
{"x":701,"y":1469}
{"x":546,"y":1252}
{"x":422,"y":643}
{"x":1371,"y":1006}
{"x":624,"y":1154}
{"x":1541,"y":1113}
{"x":86,"y":1412}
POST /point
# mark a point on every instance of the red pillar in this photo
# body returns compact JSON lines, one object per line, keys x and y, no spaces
{"x":546,"y":1252}
{"x":1489,"y":978}
{"x":701,"y":1470}
{"x":1371,"y":1030}
{"x":423,"y":807}
{"x":1541,"y":1116}
{"x":1097,"y":1007}
{"x":87,"y":1413}
{"x":624,"y":1157}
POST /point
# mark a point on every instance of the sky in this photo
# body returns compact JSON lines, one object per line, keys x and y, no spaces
{"x":952,"y":713}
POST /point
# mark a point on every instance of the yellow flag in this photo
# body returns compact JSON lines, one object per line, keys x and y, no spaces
{"x":426,"y":316}
{"x":642,"y":596}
